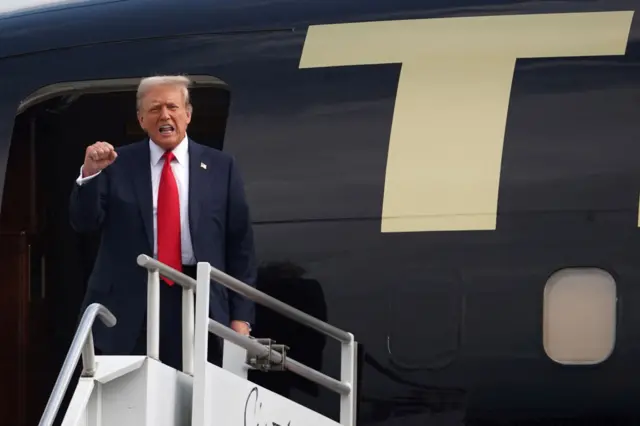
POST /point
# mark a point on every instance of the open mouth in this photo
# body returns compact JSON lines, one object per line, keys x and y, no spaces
{"x":166,"y":129}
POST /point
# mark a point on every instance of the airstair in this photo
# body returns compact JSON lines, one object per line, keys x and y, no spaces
{"x":142,"y":391}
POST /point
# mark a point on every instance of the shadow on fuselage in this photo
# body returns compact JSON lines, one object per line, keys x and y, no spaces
{"x":285,"y":281}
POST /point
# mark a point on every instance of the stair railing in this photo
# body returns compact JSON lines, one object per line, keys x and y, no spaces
{"x":82,"y":345}
{"x":188,"y":284}
{"x":346,"y":386}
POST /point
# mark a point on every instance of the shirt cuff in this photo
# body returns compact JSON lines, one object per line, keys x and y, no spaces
{"x":82,"y":180}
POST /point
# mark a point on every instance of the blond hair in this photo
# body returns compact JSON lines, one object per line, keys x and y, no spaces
{"x":159,"y":80}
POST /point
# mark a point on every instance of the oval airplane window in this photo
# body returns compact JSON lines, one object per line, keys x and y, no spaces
{"x":579,"y":316}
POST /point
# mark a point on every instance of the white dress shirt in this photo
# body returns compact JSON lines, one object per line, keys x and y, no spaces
{"x":180,"y":167}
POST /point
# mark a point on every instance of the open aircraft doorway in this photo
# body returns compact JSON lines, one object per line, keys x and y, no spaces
{"x":47,"y":263}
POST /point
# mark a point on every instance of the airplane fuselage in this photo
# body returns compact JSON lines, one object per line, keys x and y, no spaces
{"x":454,"y":183}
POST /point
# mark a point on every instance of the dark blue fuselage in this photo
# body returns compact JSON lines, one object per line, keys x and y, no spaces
{"x":449,"y":313}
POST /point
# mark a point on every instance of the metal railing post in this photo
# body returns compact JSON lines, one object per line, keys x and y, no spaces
{"x":348,"y":369}
{"x":88,"y":357}
{"x":187,"y":330}
{"x":82,"y":345}
{"x":201,"y":339}
{"x":154,"y":270}
{"x":153,"y":314}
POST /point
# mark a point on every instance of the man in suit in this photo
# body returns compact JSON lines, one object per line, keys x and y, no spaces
{"x":174,"y":199}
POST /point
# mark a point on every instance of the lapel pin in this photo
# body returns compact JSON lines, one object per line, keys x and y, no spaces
{"x":204,"y":166}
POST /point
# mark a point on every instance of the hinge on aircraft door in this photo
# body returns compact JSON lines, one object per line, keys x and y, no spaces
{"x":266,"y":362}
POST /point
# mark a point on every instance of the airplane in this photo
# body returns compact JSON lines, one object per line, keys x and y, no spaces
{"x":454,"y":182}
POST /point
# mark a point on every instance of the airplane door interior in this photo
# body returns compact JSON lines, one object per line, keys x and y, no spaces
{"x":44,"y":260}
{"x":21,"y":266}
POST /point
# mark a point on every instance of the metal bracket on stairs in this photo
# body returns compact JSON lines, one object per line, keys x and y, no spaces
{"x":265,"y":362}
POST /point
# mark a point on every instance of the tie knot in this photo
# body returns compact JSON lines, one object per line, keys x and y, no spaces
{"x":168,"y":156}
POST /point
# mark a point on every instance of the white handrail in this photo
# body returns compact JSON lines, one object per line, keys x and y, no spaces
{"x":280,"y":307}
{"x":252,"y":294}
{"x":188,"y":284}
{"x":82,"y":344}
{"x":346,"y":386}
{"x":195,"y":363}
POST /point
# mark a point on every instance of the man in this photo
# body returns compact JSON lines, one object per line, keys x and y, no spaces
{"x":172,"y":198}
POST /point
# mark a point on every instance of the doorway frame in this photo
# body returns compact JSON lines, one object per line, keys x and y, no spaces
{"x":105,"y":86}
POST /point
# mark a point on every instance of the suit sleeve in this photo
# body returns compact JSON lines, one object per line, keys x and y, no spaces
{"x":88,"y":203}
{"x":240,"y":252}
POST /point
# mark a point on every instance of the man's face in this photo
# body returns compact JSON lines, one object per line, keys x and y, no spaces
{"x":164,"y":116}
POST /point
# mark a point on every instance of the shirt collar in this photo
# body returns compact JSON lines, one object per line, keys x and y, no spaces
{"x":180,"y":151}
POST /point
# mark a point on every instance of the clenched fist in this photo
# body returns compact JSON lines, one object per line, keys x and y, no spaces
{"x":98,"y":156}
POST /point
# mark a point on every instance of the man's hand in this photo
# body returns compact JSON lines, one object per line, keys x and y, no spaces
{"x":97,"y":157}
{"x":240,"y":327}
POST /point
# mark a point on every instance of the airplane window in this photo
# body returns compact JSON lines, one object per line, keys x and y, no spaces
{"x":579,"y":316}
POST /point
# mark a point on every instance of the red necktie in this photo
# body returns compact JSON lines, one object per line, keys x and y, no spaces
{"x":169,"y":251}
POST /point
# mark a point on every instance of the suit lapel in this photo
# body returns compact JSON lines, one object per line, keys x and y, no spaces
{"x":142,"y":182}
{"x":195,"y":177}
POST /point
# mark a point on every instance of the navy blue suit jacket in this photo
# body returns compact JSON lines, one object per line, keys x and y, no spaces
{"x":118,"y":202}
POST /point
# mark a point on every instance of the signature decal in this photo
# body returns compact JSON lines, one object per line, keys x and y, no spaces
{"x":252,"y":417}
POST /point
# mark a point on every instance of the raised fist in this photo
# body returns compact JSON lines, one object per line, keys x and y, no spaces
{"x":97,"y":157}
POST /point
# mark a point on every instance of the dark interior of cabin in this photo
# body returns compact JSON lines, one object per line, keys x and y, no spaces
{"x":47,"y":260}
